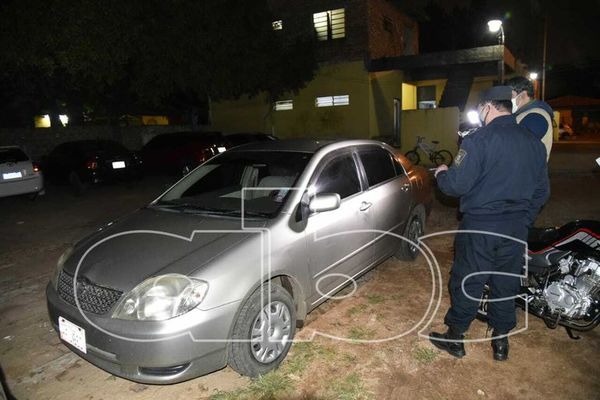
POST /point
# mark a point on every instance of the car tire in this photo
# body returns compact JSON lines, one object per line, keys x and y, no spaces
{"x":413,"y":157}
{"x":413,"y":230}
{"x":244,"y":351}
{"x":76,"y":183}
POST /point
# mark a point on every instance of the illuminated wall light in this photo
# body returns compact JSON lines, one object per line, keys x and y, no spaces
{"x":533,"y":76}
{"x":64,"y":119}
{"x":277,"y":25}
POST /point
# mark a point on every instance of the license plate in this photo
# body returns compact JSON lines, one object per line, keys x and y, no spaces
{"x":221,"y":149}
{"x":12,"y":175}
{"x":72,"y":334}
{"x":118,"y":164}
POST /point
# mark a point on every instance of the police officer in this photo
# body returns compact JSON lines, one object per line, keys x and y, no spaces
{"x":501,"y":177}
{"x":535,"y":115}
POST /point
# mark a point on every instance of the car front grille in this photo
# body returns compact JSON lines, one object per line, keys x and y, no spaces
{"x":92,"y":298}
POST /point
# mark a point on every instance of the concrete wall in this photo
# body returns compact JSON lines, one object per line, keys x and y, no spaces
{"x":439,"y":124}
{"x":40,"y":141}
{"x":305,"y":119}
{"x":383,"y":89}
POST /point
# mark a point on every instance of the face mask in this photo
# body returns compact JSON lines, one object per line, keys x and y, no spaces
{"x":482,"y":117}
{"x":515,"y":107}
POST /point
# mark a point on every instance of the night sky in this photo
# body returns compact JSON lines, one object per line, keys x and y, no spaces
{"x":573,"y":58}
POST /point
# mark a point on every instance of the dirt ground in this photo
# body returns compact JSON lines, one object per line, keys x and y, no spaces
{"x":390,"y":300}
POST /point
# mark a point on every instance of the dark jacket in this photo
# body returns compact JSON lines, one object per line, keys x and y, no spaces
{"x":500,"y":170}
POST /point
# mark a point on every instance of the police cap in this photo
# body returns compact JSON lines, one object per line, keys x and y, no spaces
{"x":496,"y":93}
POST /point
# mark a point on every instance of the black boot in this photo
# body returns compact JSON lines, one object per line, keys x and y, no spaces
{"x":500,"y":346}
{"x":451,"y":341}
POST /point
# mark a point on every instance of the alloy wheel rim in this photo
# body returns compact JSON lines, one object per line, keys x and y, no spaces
{"x":414,"y":234}
{"x":271,"y":331}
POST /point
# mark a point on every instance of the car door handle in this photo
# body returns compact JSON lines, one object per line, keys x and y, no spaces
{"x":365,"y":205}
{"x":406,"y":187}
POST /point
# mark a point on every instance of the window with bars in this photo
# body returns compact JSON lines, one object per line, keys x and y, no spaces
{"x":284,"y":105}
{"x":277,"y":25}
{"x":330,"y":24}
{"x":330,"y":101}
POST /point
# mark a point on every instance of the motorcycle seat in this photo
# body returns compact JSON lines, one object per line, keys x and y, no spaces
{"x":540,"y":238}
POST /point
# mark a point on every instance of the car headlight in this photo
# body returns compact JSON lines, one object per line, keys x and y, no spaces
{"x":59,"y":266}
{"x":161,"y":297}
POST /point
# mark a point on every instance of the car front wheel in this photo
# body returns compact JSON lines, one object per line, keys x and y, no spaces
{"x":263,"y":331}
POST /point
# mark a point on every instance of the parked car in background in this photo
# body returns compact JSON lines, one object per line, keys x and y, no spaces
{"x":237,"y":139}
{"x":179,"y":153}
{"x":18,"y":174}
{"x":86,"y":162}
{"x":214,"y":273}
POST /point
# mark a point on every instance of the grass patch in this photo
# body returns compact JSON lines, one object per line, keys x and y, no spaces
{"x":303,"y":353}
{"x":356,"y":310}
{"x":350,"y":388}
{"x":375,"y":299}
{"x":424,"y":355}
{"x":360,"y":333}
{"x":266,"y":387}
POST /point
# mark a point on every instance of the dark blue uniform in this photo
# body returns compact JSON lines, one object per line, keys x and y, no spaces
{"x":501,"y":177}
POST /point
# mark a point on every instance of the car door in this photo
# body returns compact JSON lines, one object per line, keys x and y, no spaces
{"x":390,"y":192}
{"x":335,"y":248}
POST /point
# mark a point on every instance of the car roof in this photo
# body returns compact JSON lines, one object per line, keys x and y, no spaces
{"x":303,"y":145}
{"x":300,"y":145}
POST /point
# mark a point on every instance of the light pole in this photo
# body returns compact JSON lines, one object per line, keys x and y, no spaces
{"x":495,"y":26}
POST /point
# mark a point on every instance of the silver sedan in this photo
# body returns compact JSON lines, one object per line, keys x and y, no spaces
{"x":225,"y":265}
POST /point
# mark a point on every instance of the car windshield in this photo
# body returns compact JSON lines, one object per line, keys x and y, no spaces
{"x":216,"y":186}
{"x":12,"y":155}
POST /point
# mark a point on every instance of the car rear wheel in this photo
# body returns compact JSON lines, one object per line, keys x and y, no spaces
{"x":263,"y":331}
{"x":414,"y":230}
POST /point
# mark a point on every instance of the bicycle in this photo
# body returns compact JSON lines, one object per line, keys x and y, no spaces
{"x":437,"y":157}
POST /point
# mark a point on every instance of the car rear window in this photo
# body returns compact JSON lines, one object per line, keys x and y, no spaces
{"x":12,"y":155}
{"x":378,"y":165}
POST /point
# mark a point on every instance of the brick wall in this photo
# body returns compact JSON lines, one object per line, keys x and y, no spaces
{"x":391,"y":33}
{"x":38,"y":142}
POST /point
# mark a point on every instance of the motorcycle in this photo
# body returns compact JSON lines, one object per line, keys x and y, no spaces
{"x":562,"y":285}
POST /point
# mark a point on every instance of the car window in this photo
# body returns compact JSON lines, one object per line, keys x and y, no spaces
{"x":378,"y":165}
{"x":398,"y":167}
{"x":339,"y":176}
{"x":12,"y":155}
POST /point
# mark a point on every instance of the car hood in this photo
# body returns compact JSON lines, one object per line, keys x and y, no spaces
{"x":152,"y":242}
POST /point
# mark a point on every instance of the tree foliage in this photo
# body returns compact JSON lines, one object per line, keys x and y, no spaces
{"x":119,"y":56}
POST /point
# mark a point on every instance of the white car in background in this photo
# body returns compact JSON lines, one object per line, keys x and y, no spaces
{"x":18,"y":174}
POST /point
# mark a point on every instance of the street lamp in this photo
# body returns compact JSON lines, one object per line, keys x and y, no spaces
{"x":533,"y":76}
{"x":495,"y":26}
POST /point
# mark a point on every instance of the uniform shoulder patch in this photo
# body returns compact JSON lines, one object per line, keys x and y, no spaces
{"x":460,"y":156}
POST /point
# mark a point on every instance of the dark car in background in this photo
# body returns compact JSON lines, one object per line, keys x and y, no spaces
{"x":84,"y":162}
{"x":179,"y":153}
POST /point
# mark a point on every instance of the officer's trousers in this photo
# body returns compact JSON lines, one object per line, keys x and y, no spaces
{"x":488,"y":257}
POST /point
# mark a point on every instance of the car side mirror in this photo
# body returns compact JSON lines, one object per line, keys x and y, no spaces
{"x":324,"y":202}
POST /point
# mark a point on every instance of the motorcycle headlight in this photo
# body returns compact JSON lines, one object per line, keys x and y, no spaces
{"x":161,"y":298}
{"x":59,"y":266}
